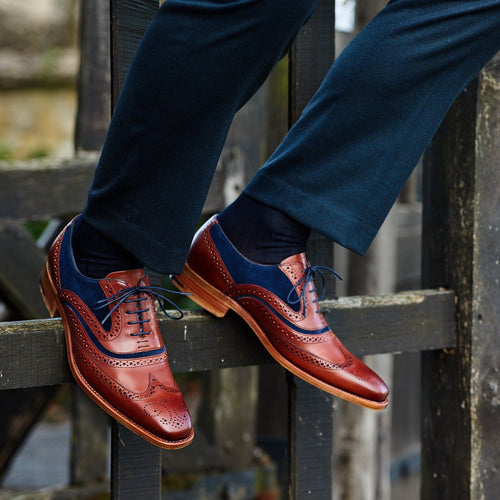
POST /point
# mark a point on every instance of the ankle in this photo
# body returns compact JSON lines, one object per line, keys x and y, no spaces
{"x":96,"y":255}
{"x":262,"y":233}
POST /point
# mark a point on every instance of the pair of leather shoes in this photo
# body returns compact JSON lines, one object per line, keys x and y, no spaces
{"x":114,"y":346}
{"x":116,"y":352}
{"x":280,"y":304}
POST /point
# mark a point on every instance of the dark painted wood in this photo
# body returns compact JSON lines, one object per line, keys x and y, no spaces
{"x":21,"y":409}
{"x":447,"y":261}
{"x":41,"y":189}
{"x":129,"y":20}
{"x":135,"y":463}
{"x":94,"y":79}
{"x":227,"y":414}
{"x":32,"y":352}
{"x":320,"y":252}
{"x":461,"y":249}
{"x":89,"y":440}
{"x":310,"y":429}
{"x":20,"y":264}
{"x":90,"y":425}
{"x":311,"y":441}
{"x":135,"y":466}
{"x":485,"y":363}
{"x":24,"y":188}
{"x":311,"y":57}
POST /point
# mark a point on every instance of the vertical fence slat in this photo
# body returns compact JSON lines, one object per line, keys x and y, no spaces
{"x":135,"y":463}
{"x":129,"y":20}
{"x":94,"y":76}
{"x":89,"y":442}
{"x":311,"y":57}
{"x":461,"y":250}
{"x":310,"y":441}
{"x":135,"y":466}
{"x":310,"y":438}
{"x":447,"y":254}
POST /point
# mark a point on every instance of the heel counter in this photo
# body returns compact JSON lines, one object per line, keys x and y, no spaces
{"x":204,"y":259}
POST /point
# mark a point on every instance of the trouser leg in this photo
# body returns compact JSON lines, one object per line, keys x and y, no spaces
{"x":341,"y":167}
{"x":197,"y":64}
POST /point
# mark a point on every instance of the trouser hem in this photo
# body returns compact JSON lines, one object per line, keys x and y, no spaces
{"x":157,"y":255}
{"x":325,"y":218}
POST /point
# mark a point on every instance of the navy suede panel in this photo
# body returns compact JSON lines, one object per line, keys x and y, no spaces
{"x":87,"y":289}
{"x":244,"y":271}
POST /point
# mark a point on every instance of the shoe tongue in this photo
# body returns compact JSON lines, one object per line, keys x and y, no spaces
{"x":299,"y":258}
{"x":131,"y":277}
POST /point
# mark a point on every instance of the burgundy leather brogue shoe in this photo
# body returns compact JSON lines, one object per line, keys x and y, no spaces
{"x":280,"y":304}
{"x":114,"y":346}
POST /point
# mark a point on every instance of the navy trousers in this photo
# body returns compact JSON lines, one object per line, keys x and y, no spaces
{"x":339,"y":169}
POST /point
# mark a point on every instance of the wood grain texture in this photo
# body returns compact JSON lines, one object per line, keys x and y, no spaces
{"x":135,"y":466}
{"x":41,"y":189}
{"x":135,"y":463}
{"x":311,"y":57}
{"x":311,"y":441}
{"x":89,"y":440}
{"x":129,"y":20}
{"x":310,"y":427}
{"x":32,"y":353}
{"x":447,"y":256}
{"x":20,"y":264}
{"x":94,"y":79}
{"x":462,"y":250}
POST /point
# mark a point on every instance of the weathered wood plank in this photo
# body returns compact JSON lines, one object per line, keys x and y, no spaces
{"x":311,"y":410}
{"x":226,"y":417}
{"x":311,"y":441}
{"x":94,"y":79}
{"x":20,"y":264}
{"x":135,"y":466}
{"x":461,"y":249}
{"x":447,"y":257}
{"x":129,"y":20}
{"x":135,"y":463}
{"x":32,"y":352}
{"x":89,"y":440}
{"x":311,"y":57}
{"x":44,"y":188}
{"x":20,"y":410}
{"x":89,"y":443}
{"x":41,"y":189}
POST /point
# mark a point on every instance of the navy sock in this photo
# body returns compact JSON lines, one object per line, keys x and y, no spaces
{"x":96,"y":255}
{"x":261,"y":233}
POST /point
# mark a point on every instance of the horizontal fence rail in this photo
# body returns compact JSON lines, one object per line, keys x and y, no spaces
{"x":41,"y":188}
{"x":32,"y":353}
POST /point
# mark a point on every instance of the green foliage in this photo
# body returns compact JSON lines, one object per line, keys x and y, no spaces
{"x":40,"y":152}
{"x":5,"y":151}
{"x":35,"y":227}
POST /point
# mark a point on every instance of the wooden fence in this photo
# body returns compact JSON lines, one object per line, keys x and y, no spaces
{"x":454,"y":321}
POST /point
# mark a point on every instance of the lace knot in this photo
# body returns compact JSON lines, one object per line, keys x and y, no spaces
{"x":310,"y":274}
{"x":136,"y":294}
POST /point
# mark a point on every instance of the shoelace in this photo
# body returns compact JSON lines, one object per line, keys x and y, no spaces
{"x":310,"y":275}
{"x":124,"y":297}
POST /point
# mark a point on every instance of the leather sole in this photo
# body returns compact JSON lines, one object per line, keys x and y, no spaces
{"x":217,"y":303}
{"x":55,"y":308}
